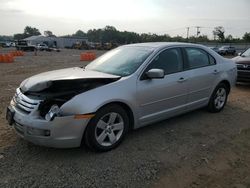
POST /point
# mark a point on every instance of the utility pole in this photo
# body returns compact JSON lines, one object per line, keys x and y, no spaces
{"x":187,"y":32}
{"x":198,"y":30}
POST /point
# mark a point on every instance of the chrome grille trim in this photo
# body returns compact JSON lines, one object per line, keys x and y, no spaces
{"x":243,"y":67}
{"x":24,"y":103}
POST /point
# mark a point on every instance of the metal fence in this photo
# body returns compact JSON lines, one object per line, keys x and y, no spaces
{"x":240,"y":47}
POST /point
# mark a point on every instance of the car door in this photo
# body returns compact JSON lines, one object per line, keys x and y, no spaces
{"x":161,"y":98}
{"x":203,"y":72}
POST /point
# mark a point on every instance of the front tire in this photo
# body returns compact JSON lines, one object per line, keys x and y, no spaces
{"x":107,"y":128}
{"x":219,"y":98}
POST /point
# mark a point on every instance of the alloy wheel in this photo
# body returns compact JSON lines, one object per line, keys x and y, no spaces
{"x":109,"y":129}
{"x":220,"y":98}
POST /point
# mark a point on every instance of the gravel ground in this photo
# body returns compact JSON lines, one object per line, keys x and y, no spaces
{"x":198,"y":149}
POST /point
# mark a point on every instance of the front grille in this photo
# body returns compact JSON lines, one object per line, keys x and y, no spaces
{"x":24,"y":103}
{"x":243,"y":67}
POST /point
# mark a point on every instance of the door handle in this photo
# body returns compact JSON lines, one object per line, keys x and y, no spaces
{"x":215,"y":71}
{"x":182,"y":79}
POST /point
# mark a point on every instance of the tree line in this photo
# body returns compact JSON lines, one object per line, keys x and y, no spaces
{"x":111,"y":34}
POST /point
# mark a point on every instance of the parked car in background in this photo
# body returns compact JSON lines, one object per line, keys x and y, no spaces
{"x":23,"y":45}
{"x":227,"y":50}
{"x":126,"y":88}
{"x":243,"y":66}
{"x":42,"y":47}
{"x":7,"y":44}
{"x":216,"y":49}
{"x":3,"y":44}
{"x":12,"y":44}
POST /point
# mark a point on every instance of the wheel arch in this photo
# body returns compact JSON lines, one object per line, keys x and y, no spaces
{"x":126,"y":108}
{"x":227,"y":83}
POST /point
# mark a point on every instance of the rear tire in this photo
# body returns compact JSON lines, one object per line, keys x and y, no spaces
{"x":218,"y":99}
{"x":107,"y":128}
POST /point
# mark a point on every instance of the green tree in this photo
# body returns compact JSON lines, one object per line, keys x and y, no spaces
{"x":31,"y":31}
{"x":178,"y":39}
{"x":79,"y":33}
{"x":28,"y":32}
{"x":229,"y":38}
{"x":48,"y":34}
{"x":127,"y":37}
{"x":219,"y":33}
{"x":6,"y":38}
{"x":246,"y":37}
{"x":109,"y":34}
{"x":19,"y":36}
{"x":94,"y":35}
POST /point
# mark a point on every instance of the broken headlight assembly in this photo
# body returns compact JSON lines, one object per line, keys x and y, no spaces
{"x":52,"y":113}
{"x":50,"y":108}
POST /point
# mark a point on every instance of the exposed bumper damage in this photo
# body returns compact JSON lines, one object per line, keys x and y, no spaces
{"x":36,"y":109}
{"x":62,"y":132}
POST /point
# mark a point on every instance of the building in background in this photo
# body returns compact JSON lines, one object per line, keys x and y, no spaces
{"x":59,"y":42}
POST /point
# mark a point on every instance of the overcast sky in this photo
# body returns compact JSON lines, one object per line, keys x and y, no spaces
{"x":143,"y":16}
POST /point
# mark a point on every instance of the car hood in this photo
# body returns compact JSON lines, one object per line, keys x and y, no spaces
{"x":68,"y":76}
{"x":241,"y":60}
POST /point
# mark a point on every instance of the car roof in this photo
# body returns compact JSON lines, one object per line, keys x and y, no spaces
{"x":157,"y":45}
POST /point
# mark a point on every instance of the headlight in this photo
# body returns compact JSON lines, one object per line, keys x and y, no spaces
{"x":54,"y":111}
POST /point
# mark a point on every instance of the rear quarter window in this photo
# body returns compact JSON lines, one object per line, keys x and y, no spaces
{"x":197,"y":58}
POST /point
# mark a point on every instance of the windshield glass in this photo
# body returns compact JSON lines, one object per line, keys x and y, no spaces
{"x":246,"y":53}
{"x":121,"y":61}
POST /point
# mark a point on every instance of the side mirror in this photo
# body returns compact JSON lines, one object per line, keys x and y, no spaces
{"x":155,"y":74}
{"x":239,"y":54}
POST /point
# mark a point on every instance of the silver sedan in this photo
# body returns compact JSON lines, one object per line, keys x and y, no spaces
{"x":126,"y":88}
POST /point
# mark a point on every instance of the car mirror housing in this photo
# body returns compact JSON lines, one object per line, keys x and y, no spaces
{"x":155,"y":74}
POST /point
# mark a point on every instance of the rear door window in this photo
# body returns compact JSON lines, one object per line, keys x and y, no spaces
{"x":198,"y":58}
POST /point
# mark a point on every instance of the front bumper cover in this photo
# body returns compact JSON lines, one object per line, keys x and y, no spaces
{"x":62,"y":132}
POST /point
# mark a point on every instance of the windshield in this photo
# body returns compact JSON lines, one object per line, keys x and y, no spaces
{"x":246,"y":53}
{"x":121,"y":61}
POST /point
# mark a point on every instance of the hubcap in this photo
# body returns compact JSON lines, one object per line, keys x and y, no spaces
{"x":220,"y":98}
{"x":109,"y":129}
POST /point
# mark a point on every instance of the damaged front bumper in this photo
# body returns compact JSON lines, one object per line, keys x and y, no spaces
{"x":61,"y":132}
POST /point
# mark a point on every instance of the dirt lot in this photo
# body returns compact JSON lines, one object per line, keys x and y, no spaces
{"x":198,"y":149}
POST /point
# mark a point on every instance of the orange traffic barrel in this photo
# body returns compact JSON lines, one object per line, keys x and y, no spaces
{"x":1,"y":58}
{"x":81,"y":57}
{"x":14,"y":53}
{"x":5,"y":58}
{"x":10,"y":58}
{"x":87,"y":56}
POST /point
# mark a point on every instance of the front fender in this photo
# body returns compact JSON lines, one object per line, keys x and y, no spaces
{"x":123,"y":90}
